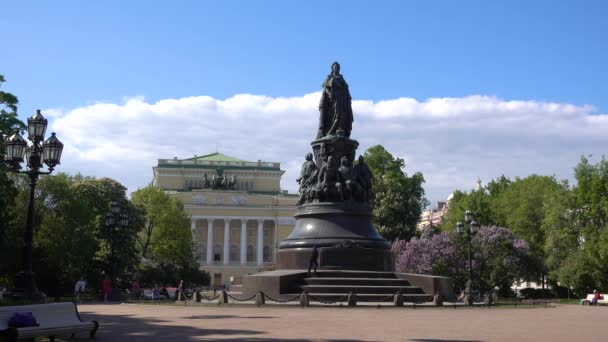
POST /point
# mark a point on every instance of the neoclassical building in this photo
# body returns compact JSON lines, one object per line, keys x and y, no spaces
{"x":238,"y":212}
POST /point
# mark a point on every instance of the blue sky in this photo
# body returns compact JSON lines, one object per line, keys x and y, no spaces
{"x":65,"y":55}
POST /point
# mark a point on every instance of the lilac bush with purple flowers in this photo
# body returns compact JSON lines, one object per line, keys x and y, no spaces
{"x":499,"y":257}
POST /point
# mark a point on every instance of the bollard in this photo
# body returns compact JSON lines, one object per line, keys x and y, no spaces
{"x":179,"y":296}
{"x":352,"y":299}
{"x":398,"y":300}
{"x":487,"y":300}
{"x":437,"y":300}
{"x":304,"y":302}
{"x":468,"y":300}
{"x":259,"y":299}
{"x":196,"y":297}
{"x":224,"y":297}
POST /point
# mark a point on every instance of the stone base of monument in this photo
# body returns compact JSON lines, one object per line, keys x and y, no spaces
{"x":335,"y":285}
{"x":337,"y":258}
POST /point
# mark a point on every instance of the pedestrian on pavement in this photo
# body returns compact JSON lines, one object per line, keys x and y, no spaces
{"x":107,"y":287}
{"x":79,"y":288}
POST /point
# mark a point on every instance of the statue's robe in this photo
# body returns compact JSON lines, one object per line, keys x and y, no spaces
{"x":335,"y":107}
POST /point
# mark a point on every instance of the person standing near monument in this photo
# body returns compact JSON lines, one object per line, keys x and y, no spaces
{"x":312,"y":261}
{"x":336,"y":113}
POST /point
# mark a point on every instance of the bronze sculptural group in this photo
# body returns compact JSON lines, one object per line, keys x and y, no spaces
{"x":334,"y":177}
{"x":335,"y":184}
{"x":218,"y":181}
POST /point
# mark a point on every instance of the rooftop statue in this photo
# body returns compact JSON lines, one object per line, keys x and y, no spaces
{"x":336,"y":113}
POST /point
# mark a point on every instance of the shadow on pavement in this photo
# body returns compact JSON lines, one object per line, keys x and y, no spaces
{"x":131,"y":328}
{"x":224,"y":316}
{"x":439,"y":340}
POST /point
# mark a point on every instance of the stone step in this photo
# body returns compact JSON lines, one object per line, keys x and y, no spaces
{"x":233,"y":288}
{"x":368,"y":297}
{"x":352,"y":274}
{"x":356,"y":281}
{"x":361,"y":289}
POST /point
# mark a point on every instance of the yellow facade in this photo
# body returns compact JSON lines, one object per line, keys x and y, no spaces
{"x":235,"y":232}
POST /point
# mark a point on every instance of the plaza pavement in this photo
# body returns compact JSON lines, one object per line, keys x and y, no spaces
{"x":137,"y":322}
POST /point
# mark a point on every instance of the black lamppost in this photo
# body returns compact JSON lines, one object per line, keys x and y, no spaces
{"x":472,"y":228}
{"x":113,"y":221}
{"x":38,"y":153}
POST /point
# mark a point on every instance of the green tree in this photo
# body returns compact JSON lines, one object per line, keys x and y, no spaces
{"x":9,"y":234}
{"x":117,"y":250}
{"x":64,"y":239}
{"x":479,"y":202}
{"x":166,"y":235}
{"x":9,"y":121}
{"x":577,"y":243}
{"x":399,"y":197}
{"x":522,"y":206}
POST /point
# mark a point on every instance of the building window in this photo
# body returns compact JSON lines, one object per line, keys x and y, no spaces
{"x":202,"y":252}
{"x":217,"y":253}
{"x":250,"y":253}
{"x":234,"y":252}
{"x":266,"y":253}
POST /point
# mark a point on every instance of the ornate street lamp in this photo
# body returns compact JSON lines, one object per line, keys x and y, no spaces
{"x":37,"y":153}
{"x":471,"y":229}
{"x":113,"y":221}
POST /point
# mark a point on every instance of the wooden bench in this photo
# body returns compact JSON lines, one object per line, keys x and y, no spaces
{"x":55,"y":319}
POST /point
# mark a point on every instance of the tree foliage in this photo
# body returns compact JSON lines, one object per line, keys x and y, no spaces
{"x":399,"y":197}
{"x":166,"y":235}
{"x":565,"y":226}
{"x":8,"y":233}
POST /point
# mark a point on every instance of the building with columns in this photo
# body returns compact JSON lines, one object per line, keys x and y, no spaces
{"x":238,"y":212}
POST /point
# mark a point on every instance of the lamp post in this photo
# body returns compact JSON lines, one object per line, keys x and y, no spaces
{"x":37,"y":153}
{"x":471,"y":229}
{"x":113,"y":221}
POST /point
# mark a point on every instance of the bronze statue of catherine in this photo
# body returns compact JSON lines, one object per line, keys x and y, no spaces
{"x":336,"y":113}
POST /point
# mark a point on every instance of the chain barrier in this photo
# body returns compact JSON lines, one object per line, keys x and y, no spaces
{"x":327,"y":302}
{"x":385,"y":299}
{"x":282,"y":301}
{"x":240,"y":299}
{"x":209,"y":299}
{"x":419,"y":301}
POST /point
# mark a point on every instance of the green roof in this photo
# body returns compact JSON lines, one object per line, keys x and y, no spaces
{"x":216,"y":157}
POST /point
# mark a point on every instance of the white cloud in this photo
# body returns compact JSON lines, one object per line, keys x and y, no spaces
{"x":451,"y":141}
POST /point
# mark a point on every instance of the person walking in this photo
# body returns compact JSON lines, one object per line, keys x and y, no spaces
{"x":107,"y":287}
{"x":312,"y":261}
{"x":135,"y":289}
{"x":79,"y":288}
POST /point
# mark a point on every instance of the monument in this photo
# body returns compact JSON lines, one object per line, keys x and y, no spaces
{"x":336,"y":196}
{"x":335,"y":215}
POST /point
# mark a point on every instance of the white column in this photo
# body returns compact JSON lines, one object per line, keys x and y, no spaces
{"x":209,"y":241}
{"x":275,"y":239}
{"x":226,"y":241}
{"x":193,"y":229}
{"x":243,"y":241}
{"x":260,"y":242}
